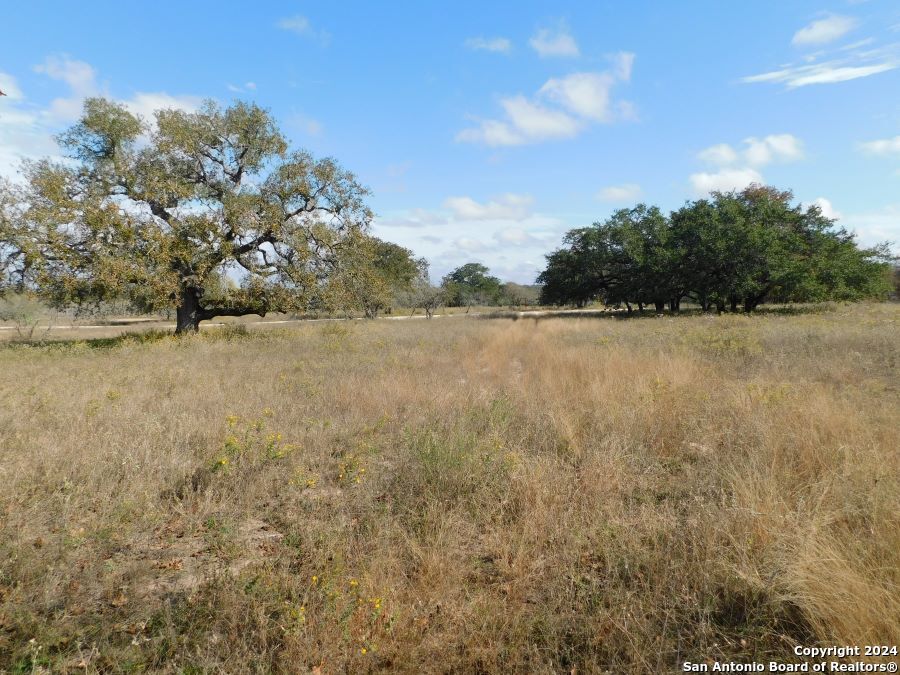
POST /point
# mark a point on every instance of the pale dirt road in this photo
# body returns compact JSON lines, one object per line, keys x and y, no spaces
{"x":87,"y":331}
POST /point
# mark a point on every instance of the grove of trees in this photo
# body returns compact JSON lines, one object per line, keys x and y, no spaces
{"x":734,"y":249}
{"x":473,"y":284}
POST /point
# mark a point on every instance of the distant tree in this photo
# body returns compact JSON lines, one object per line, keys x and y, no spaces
{"x":421,"y":294}
{"x":471,"y":284}
{"x":153,"y":213}
{"x":373,"y":274}
{"x":427,"y":297}
{"x":25,"y":312}
{"x":516,"y":295}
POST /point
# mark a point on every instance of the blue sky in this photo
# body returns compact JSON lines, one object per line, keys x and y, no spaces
{"x":486,"y":130}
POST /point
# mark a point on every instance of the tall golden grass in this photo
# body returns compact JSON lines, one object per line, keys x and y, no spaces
{"x":461,"y":495}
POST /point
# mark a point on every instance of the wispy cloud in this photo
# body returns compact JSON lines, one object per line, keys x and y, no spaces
{"x":562,"y":108}
{"x":305,"y":124}
{"x":722,"y":153}
{"x":823,"y":31}
{"x":27,"y":130}
{"x":247,"y":86}
{"x":497,"y":44}
{"x":627,"y":192}
{"x":874,"y":227}
{"x":10,"y":87}
{"x":554,"y":41}
{"x":509,"y":206}
{"x":849,"y":62}
{"x":885,"y":146}
{"x":81,"y":79}
{"x":300,"y":25}
{"x":823,"y":73}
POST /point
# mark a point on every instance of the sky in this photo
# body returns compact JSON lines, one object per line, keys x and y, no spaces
{"x":484,"y":130}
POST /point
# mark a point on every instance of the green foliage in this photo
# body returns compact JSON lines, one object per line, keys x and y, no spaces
{"x":422,"y":295}
{"x":374,"y":274}
{"x":471,"y":284}
{"x":24,"y":311}
{"x":517,"y":295}
{"x":162,"y":221}
{"x":734,"y":248}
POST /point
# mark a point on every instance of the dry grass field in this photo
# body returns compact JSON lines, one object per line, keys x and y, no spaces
{"x":472,"y":496}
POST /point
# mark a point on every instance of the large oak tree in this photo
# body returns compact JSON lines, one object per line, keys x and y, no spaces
{"x":158,"y":212}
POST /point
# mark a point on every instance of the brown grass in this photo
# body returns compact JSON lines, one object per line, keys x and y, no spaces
{"x":560,"y":495}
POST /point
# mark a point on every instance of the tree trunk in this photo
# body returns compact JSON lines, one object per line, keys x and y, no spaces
{"x":734,"y":303}
{"x":189,"y":313}
{"x":660,"y":306}
{"x":751,"y":303}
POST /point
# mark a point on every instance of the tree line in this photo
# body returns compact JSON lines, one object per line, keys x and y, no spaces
{"x":209,"y":214}
{"x":732,"y":250}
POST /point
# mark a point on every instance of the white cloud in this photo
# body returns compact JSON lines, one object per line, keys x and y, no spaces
{"x":824,"y":30}
{"x":724,"y":180}
{"x":739,"y":168}
{"x":491,"y":132}
{"x":776,"y":147}
{"x":528,"y":122}
{"x":554,"y":42}
{"x":505,"y":207}
{"x":515,"y":236}
{"x":874,"y":227}
{"x":620,"y":193}
{"x":413,"y":218}
{"x":306,"y":125}
{"x":10,"y":87}
{"x":823,"y":74}
{"x":886,"y":146}
{"x":80,"y":76}
{"x":300,"y":25}
{"x":850,"y":62}
{"x":537,"y":122}
{"x":577,"y":99}
{"x":827,"y":208}
{"x":856,"y":45}
{"x":23,"y":135}
{"x":758,"y":151}
{"x":448,"y":237}
{"x":719,"y":154}
{"x":469,"y":244}
{"x":624,"y":63}
{"x":145,"y":104}
{"x":247,"y":86}
{"x":296,"y":24}
{"x":81,"y":79}
{"x":27,"y":131}
{"x":585,"y":94}
{"x":497,"y":44}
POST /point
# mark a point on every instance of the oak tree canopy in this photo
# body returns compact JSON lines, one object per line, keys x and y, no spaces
{"x":159,"y":212}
